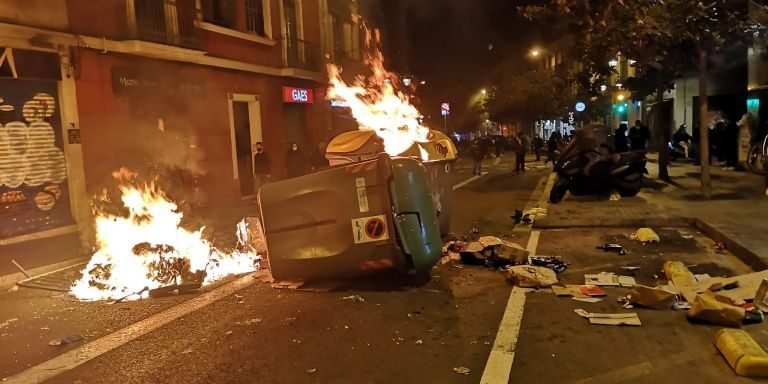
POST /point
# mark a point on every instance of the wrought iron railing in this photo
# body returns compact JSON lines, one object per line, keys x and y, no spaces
{"x":302,"y":54}
{"x":169,"y":22}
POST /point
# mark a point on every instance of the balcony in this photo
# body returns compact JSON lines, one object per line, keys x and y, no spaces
{"x":170,"y":22}
{"x":302,"y":54}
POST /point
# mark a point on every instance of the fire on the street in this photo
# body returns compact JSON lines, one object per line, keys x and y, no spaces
{"x":148,"y":249}
{"x":375,"y":102}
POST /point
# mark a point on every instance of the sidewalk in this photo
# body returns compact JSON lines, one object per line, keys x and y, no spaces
{"x":733,"y":215}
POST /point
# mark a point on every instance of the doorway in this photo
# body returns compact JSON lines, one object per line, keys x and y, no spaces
{"x":295,"y":126}
{"x":245,"y":127}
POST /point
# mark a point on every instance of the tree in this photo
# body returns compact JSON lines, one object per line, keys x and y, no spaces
{"x":664,"y":38}
{"x":529,"y":97}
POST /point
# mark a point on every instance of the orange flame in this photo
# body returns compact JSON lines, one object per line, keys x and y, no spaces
{"x":148,"y":249}
{"x":375,"y":103}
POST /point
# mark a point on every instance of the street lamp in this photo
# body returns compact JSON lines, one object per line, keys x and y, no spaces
{"x":423,"y":82}
{"x":535,"y":52}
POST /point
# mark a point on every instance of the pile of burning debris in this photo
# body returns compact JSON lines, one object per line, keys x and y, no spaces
{"x":147,"y":252}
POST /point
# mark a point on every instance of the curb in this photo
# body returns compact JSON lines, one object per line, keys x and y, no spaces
{"x":545,"y":223}
{"x":8,"y":281}
{"x":741,"y":252}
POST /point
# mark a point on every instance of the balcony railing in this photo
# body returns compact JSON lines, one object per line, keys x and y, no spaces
{"x":302,"y":54}
{"x":169,"y":22}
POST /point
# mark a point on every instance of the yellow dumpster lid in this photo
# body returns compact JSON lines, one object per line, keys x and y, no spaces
{"x":349,"y":142}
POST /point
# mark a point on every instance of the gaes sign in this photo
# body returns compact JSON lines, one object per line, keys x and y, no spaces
{"x":298,"y":95}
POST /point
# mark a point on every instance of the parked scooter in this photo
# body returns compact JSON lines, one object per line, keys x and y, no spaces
{"x":585,"y":168}
{"x":676,"y":151}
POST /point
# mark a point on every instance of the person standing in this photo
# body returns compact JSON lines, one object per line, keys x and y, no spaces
{"x":262,"y":167}
{"x":638,"y":136}
{"x":620,"y":143}
{"x":520,"y":145}
{"x":731,"y":145}
{"x":295,"y":161}
{"x":477,"y":151}
{"x":538,"y":144}
{"x":552,"y":143}
{"x":317,"y":158}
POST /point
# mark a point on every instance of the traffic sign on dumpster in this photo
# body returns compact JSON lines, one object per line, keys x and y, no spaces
{"x":370,"y":229}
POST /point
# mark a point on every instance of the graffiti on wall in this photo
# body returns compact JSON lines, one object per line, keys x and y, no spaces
{"x":33,"y":189}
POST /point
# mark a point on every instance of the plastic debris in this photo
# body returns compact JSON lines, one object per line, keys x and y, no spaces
{"x":354,"y":298}
{"x":610,"y":247}
{"x":462,"y":370}
{"x":707,"y":309}
{"x":646,"y":235}
{"x":311,"y":370}
{"x":610,"y":318}
{"x":65,"y":340}
{"x":255,"y":321}
{"x":552,"y":262}
{"x":742,"y":352}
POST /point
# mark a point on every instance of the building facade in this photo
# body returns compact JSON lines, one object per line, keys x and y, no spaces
{"x":182,"y":89}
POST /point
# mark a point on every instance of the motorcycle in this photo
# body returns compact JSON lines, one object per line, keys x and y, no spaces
{"x":676,"y":151}
{"x":587,"y":169}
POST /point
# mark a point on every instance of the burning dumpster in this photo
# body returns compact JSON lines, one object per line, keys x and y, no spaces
{"x":437,"y":155}
{"x":349,"y":220}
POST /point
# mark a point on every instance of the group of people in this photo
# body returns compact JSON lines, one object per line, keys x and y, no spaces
{"x":297,"y":162}
{"x":631,"y":139}
{"x":479,"y":148}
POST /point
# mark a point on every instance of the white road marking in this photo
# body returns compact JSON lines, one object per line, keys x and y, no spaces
{"x":76,"y":357}
{"x":499,"y":364}
{"x":473,"y":178}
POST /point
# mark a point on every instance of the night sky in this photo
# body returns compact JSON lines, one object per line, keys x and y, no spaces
{"x":456,"y":46}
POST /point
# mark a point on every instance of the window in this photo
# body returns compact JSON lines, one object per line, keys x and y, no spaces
{"x":248,"y":16}
{"x":343,"y":37}
{"x":254,"y":17}
{"x":220,"y":12}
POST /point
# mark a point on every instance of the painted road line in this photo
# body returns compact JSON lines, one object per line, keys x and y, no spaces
{"x":473,"y":178}
{"x":499,"y":364}
{"x":72,"y":359}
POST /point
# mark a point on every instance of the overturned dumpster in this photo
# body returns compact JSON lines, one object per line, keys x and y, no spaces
{"x":351,"y":219}
{"x":438,"y":156}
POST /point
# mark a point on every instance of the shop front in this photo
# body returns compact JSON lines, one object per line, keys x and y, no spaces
{"x":34,"y":187}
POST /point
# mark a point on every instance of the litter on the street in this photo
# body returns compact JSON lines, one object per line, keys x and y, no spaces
{"x":587,"y":299}
{"x":65,"y":340}
{"x":653,"y":298}
{"x":707,"y":309}
{"x":552,"y":262}
{"x":527,"y":276}
{"x":591,"y":290}
{"x":462,"y":370}
{"x":355,"y":298}
{"x":609,"y":279}
{"x":646,"y":235}
{"x":610,"y":318}
{"x":742,"y":352}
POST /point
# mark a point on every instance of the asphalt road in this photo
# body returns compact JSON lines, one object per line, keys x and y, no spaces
{"x":407,"y":330}
{"x":401,"y":330}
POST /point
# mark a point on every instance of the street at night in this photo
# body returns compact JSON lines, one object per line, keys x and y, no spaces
{"x":383,"y":191}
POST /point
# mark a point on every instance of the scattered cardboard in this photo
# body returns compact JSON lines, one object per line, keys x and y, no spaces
{"x":610,"y":318}
{"x":681,"y":279}
{"x":653,"y":298}
{"x":562,"y":290}
{"x":512,"y":252}
{"x":489,"y":241}
{"x":586,"y":299}
{"x":706,"y":308}
{"x":288,"y":284}
{"x":609,"y":279}
{"x":527,"y":276}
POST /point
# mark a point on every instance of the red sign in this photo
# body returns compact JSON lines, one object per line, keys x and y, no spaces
{"x":298,"y":95}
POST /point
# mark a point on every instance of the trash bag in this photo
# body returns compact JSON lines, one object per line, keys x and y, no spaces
{"x":527,"y":276}
{"x":708,"y":310}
